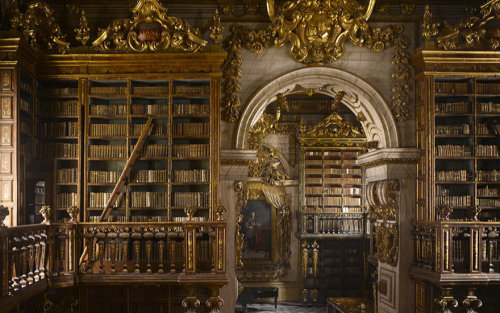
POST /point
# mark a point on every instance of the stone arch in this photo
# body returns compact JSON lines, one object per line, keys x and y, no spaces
{"x":361,"y":98}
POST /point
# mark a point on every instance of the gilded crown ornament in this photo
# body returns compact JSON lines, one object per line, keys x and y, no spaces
{"x":219,"y":212}
{"x":429,"y":29}
{"x":190,"y":212}
{"x":82,"y":33}
{"x":4,"y":212}
{"x":149,"y":30}
{"x":73,"y":212}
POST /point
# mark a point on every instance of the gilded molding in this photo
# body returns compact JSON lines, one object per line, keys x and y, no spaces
{"x":166,"y":34}
{"x":429,"y":29}
{"x":389,"y":161}
{"x":38,"y":27}
{"x":236,"y":162}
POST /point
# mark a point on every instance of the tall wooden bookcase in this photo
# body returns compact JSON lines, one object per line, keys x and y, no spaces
{"x":458,"y":129}
{"x":72,"y":122}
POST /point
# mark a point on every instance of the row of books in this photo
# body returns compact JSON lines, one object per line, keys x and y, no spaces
{"x":151,"y":90}
{"x":150,"y":109}
{"x":66,"y":91}
{"x":57,"y":150}
{"x":111,"y":109}
{"x":154,"y":151}
{"x":99,"y":199}
{"x":493,"y":175}
{"x":331,"y":224}
{"x":149,"y":176}
{"x":321,"y":190}
{"x":314,"y":171}
{"x":67,"y":175}
{"x":108,"y":130}
{"x":27,"y":86}
{"x":192,"y":89}
{"x":187,"y":176}
{"x":453,"y":107}
{"x":191,"y":108}
{"x":332,"y":201}
{"x":453,"y":150}
{"x":487,"y":191}
{"x":483,"y":129}
{"x":457,"y":175}
{"x":191,"y":129}
{"x":108,"y":90}
{"x":158,"y":129}
{"x":191,"y":150}
{"x":453,"y":88}
{"x":191,"y":198}
{"x":489,"y":107}
{"x":62,"y":108}
{"x":461,"y":129}
{"x":490,"y":89}
{"x":135,"y":218}
{"x":443,"y":197}
{"x":108,"y":151}
{"x":352,"y":201}
{"x":25,"y":105}
{"x":487,"y":150}
{"x":314,"y":162}
{"x":103,"y":176}
{"x":488,"y":202}
{"x":148,"y":199}
{"x":57,"y":129}
{"x":65,"y":200}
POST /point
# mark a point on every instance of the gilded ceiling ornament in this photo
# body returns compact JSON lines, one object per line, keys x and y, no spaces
{"x":251,"y":6}
{"x":82,"y":33}
{"x":216,"y":29}
{"x":268,"y":166}
{"x":401,"y":87}
{"x":407,"y":8}
{"x":149,"y":30}
{"x":226,"y":6}
{"x":38,"y":27}
{"x":317,"y":30}
{"x":474,"y":33}
{"x":333,"y":126}
{"x":429,"y":29}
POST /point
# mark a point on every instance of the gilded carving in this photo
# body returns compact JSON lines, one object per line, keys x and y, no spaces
{"x":383,"y":208}
{"x":73,"y":212}
{"x":149,"y":30}
{"x":46,"y":212}
{"x":268,"y":166}
{"x":38,"y":27}
{"x":216,"y":29}
{"x":446,"y":301}
{"x":429,"y":29}
{"x":190,"y":304}
{"x":472,"y":303}
{"x":317,"y":30}
{"x":6,"y":107}
{"x":82,"y":33}
{"x":315,"y":258}
{"x":304,"y":258}
{"x":214,"y":304}
{"x":473,"y":33}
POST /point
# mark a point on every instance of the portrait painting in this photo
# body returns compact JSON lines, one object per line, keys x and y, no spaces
{"x":257,"y":230}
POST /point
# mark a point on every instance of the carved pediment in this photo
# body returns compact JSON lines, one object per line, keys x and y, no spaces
{"x":149,"y":30}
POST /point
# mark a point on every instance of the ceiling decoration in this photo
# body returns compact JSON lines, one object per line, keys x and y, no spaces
{"x":149,"y":30}
{"x":38,"y":27}
{"x":479,"y":32}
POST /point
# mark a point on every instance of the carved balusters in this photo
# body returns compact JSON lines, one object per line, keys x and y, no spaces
{"x":89,"y":236}
{"x":172,"y":235}
{"x":112,"y":249}
{"x":148,"y":235}
{"x":493,"y":237}
{"x":24,"y":261}
{"x":136,"y":237}
{"x":124,"y":236}
{"x":160,"y":236}
{"x":38,"y":248}
{"x":31,"y":259}
{"x":16,"y":263}
{"x":61,"y":257}
{"x":100,"y":244}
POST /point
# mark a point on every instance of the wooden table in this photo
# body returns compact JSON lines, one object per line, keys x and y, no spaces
{"x":348,"y":305}
{"x":250,"y":294}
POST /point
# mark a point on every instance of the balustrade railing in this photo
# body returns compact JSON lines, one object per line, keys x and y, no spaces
{"x":48,"y":254}
{"x":449,"y":246}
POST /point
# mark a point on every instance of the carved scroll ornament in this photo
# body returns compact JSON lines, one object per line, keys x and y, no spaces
{"x":149,"y":30}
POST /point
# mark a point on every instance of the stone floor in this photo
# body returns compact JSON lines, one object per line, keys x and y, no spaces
{"x":282,"y":308}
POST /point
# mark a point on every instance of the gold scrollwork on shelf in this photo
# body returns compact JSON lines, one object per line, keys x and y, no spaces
{"x":149,"y":30}
{"x":82,"y":33}
{"x":429,"y":28}
{"x":315,"y":258}
{"x":38,"y":27}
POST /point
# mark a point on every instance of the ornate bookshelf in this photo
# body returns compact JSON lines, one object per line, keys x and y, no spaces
{"x":458,"y":126}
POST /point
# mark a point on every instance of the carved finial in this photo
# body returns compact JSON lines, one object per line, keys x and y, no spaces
{"x":73,"y":212}
{"x":4,"y":212}
{"x":216,"y":28}
{"x":445,"y":212}
{"x":309,"y":91}
{"x":15,"y":16}
{"x":190,"y":304}
{"x":82,"y":33}
{"x":429,"y":29}
{"x":46,"y":212}
{"x":361,"y":117}
{"x":214,"y":303}
{"x":219,"y":212}
{"x":190,"y":212}
{"x":446,"y":301}
{"x":338,"y":100}
{"x":282,"y":102}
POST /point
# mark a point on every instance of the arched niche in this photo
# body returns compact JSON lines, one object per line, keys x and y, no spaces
{"x":361,"y":98}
